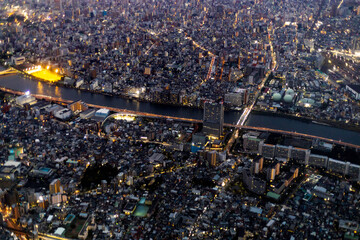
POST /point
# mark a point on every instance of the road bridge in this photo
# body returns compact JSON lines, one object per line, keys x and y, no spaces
{"x":153,"y":115}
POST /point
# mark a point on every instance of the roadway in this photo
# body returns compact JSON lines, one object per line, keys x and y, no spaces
{"x":317,"y":15}
{"x":294,"y":134}
{"x":247,"y":110}
{"x":246,"y":113}
{"x":8,"y":71}
{"x":208,"y":74}
{"x":26,"y":234}
{"x":45,"y":236}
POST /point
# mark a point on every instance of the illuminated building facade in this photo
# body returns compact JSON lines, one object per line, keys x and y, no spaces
{"x":213,"y":119}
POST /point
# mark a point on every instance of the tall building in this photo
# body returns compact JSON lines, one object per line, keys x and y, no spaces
{"x":258,"y":163}
{"x":300,"y":155}
{"x":254,"y":184}
{"x":58,"y":5}
{"x":54,"y":186}
{"x":356,"y":45}
{"x":212,"y":157}
{"x":252,"y":143}
{"x":337,"y":166}
{"x":213,"y":119}
{"x":318,"y":160}
{"x":270,"y":173}
{"x":238,"y":98}
{"x":354,"y":171}
{"x":282,"y":151}
{"x":267,"y":150}
{"x":273,"y":170}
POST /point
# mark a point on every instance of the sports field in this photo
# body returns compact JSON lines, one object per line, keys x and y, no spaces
{"x":47,"y":75}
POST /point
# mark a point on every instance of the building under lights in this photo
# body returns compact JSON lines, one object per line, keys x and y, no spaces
{"x":24,"y":99}
{"x":213,"y":119}
{"x":17,"y":60}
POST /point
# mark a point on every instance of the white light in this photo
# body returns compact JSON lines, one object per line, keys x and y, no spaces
{"x":27,"y":93}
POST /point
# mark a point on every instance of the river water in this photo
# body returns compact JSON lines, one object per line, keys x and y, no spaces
{"x":23,"y":83}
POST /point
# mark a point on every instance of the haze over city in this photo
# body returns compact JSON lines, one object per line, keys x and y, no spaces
{"x":179,"y":119}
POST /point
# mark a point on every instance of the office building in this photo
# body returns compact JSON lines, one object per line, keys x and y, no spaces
{"x":279,"y":187}
{"x":268,"y":150}
{"x":24,"y":99}
{"x":282,"y":151}
{"x":211,"y":157}
{"x":253,"y":184}
{"x":63,"y":114}
{"x":288,"y":178}
{"x":356,"y":45}
{"x":17,"y":60}
{"x":318,"y":160}
{"x":58,"y":5}
{"x":273,"y":170}
{"x":354,"y":171}
{"x":337,"y":166}
{"x":54,"y":186}
{"x":257,"y":164}
{"x":198,"y":139}
{"x":295,"y":171}
{"x":102,"y":113}
{"x":237,"y":99}
{"x":300,"y":155}
{"x":213,"y":119}
{"x":354,"y":90}
{"x":78,"y":106}
{"x":270,"y":174}
{"x":251,"y":143}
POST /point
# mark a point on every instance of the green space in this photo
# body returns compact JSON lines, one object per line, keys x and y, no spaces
{"x":94,"y":174}
{"x":351,"y":237}
{"x":73,"y":229}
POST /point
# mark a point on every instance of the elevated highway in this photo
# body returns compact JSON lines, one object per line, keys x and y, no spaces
{"x":153,"y":115}
{"x":294,"y":134}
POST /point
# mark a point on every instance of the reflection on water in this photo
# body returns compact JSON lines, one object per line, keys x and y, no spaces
{"x":57,"y":92}
{"x":138,"y":106}
{"x":20,"y":83}
{"x":40,"y":88}
{"x":282,"y":123}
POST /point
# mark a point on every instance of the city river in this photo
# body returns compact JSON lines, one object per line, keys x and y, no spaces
{"x":22,"y":83}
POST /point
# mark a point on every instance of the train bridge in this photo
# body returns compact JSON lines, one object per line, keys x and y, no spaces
{"x":153,"y":115}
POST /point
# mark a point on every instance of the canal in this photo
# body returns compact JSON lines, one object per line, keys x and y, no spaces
{"x":23,"y":83}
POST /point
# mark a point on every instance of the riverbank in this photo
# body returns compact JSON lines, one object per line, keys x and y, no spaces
{"x":22,"y":84}
{"x":36,"y":78}
{"x":61,"y":83}
{"x":322,"y":122}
